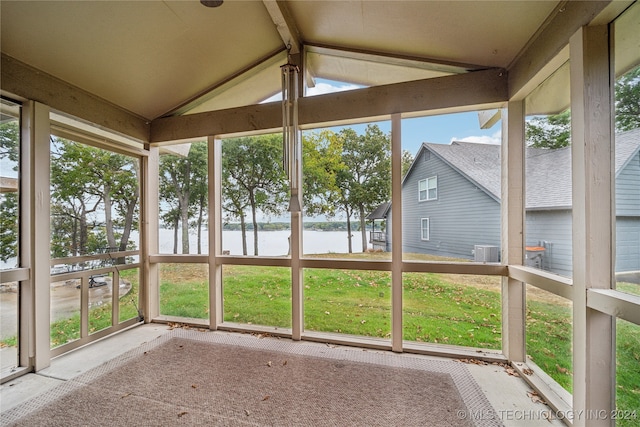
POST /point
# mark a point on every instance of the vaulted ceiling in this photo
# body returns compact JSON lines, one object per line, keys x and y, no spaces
{"x":166,"y":58}
{"x":153,"y":57}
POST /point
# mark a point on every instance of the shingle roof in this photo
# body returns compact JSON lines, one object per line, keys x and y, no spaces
{"x":548,"y":172}
{"x":380,"y":212}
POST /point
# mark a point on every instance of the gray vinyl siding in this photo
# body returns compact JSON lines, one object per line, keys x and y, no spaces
{"x":551,"y":230}
{"x":628,"y":216}
{"x":462,"y":216}
{"x":627,"y":244}
{"x":628,"y":189}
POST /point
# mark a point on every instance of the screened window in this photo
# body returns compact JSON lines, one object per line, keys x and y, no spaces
{"x":424,"y":228}
{"x":428,"y":189}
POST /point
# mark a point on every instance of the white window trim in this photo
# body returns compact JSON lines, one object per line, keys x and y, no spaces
{"x":427,"y":188}
{"x":422,"y":229}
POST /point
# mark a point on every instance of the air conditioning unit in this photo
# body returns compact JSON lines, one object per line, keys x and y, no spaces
{"x":485,"y":253}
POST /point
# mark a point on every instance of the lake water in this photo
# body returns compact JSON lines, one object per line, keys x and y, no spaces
{"x":270,"y":243}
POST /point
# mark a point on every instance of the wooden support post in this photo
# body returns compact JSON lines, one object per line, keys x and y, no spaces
{"x":216,"y":305}
{"x":396,"y":227}
{"x":35,"y":206}
{"x":513,"y":229}
{"x":592,"y":149}
{"x":150,"y":280}
{"x":297,"y":285}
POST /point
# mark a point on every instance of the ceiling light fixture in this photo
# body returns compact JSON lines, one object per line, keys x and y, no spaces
{"x":211,"y":3}
{"x":291,"y":142}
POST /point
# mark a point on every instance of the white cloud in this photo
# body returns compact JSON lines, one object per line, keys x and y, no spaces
{"x":495,"y":138}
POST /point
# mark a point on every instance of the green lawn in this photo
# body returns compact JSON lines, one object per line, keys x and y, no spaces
{"x":452,"y":309}
{"x":67,"y":330}
{"x":438,"y":308}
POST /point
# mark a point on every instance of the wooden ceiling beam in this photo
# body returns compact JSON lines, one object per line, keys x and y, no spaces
{"x":286,"y":26}
{"x":530,"y":68}
{"x":456,"y":91}
{"x":21,"y":80}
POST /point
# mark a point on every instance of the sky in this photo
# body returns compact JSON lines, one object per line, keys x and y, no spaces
{"x":435,"y":129}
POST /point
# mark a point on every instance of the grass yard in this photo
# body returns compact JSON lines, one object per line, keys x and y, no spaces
{"x":67,"y":330}
{"x":439,"y":308}
{"x":452,"y":309}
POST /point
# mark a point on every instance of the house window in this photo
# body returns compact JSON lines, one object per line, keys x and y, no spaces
{"x":424,"y":229}
{"x":428,"y":189}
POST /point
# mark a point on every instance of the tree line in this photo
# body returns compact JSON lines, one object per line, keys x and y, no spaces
{"x":345,"y":175}
{"x":95,"y":193}
{"x":554,"y":131}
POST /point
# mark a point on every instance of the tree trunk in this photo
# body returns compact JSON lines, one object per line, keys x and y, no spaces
{"x":184,"y":219}
{"x":183,"y":195}
{"x":83,"y":233}
{"x":74,"y":249}
{"x":200,"y":218}
{"x":128,"y":220}
{"x":349,"y":233}
{"x":108,"y":220}
{"x":255,"y":226}
{"x":243,"y":227}
{"x":128,"y":225}
{"x":175,"y":234}
{"x":363,"y":229}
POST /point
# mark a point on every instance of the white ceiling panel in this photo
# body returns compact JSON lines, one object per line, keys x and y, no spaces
{"x":157,"y":58}
{"x":146,"y":56}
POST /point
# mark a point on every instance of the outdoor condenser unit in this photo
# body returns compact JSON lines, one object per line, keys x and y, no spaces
{"x":485,"y":253}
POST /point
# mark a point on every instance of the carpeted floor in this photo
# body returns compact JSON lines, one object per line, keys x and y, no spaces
{"x":212,"y":378}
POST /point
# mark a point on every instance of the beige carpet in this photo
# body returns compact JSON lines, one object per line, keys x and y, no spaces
{"x":213,"y":378}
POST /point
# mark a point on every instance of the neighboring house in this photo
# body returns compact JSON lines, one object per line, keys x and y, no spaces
{"x":451,"y":203}
{"x":378,"y":237}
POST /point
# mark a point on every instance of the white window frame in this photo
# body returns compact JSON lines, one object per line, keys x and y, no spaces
{"x":430,"y":183}
{"x":422,"y":228}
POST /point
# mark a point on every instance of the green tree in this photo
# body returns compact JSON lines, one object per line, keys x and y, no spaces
{"x":9,"y":204}
{"x":549,"y":131}
{"x":8,"y":226}
{"x":89,"y":184}
{"x":554,"y":131}
{"x":628,"y":101}
{"x":321,"y":161}
{"x":199,"y":187}
{"x":253,"y":179}
{"x":407,"y":161}
{"x":74,"y":192}
{"x":365,"y":180}
{"x":183,"y":180}
{"x":119,"y":176}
